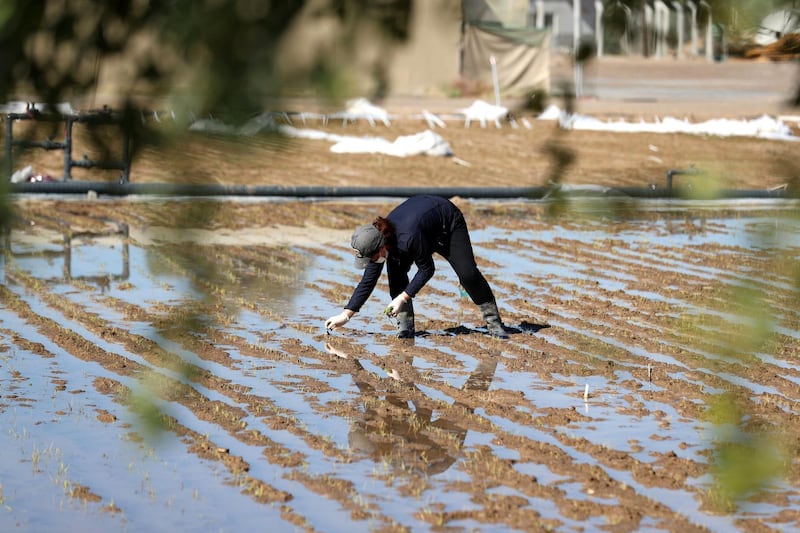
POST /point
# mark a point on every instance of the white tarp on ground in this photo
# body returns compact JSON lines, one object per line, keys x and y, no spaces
{"x":432,"y":144}
{"x":764,"y":127}
{"x":362,"y":109}
{"x":424,"y":143}
{"x":64,"y":108}
{"x":776,"y":25}
{"x":483,"y":112}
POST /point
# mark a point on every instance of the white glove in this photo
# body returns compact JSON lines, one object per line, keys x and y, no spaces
{"x":397,"y":304}
{"x":336,"y":321}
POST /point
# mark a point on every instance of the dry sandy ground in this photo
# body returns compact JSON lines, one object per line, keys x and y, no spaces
{"x":633,"y":89}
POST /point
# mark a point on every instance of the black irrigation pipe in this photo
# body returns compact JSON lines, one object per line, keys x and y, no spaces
{"x":532,"y":193}
{"x":167,"y":189}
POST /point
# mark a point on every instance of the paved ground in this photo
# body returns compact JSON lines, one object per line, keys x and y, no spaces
{"x":697,"y":87}
{"x":614,"y":85}
{"x":652,"y":87}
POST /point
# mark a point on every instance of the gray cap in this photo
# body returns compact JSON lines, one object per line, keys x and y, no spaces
{"x":366,"y":241}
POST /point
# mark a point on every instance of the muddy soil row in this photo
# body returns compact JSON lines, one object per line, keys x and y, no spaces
{"x":625,"y":365}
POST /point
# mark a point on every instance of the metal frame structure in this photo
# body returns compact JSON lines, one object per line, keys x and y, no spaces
{"x":90,"y":118}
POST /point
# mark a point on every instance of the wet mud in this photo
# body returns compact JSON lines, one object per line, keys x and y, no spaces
{"x":649,"y":382}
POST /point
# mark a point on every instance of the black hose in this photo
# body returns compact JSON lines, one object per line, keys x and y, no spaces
{"x":167,"y":189}
{"x":533,"y":193}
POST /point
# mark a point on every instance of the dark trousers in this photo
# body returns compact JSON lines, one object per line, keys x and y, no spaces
{"x":455,"y":246}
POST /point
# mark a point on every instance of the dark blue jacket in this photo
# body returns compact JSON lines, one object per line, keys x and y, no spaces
{"x":423,"y":225}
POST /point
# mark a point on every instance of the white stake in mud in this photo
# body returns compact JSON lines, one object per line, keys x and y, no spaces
{"x":495,"y":80}
{"x":586,"y":393}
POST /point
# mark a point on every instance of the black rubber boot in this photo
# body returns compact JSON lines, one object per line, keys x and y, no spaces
{"x":493,"y":322}
{"x":405,"y":322}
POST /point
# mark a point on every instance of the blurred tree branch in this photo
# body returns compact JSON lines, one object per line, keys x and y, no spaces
{"x":230,"y":58}
{"x":214,"y":55}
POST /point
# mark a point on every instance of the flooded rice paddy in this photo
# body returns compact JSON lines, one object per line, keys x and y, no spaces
{"x":156,"y":377}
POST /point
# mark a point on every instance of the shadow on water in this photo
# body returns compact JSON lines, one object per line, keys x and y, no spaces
{"x":523,"y":327}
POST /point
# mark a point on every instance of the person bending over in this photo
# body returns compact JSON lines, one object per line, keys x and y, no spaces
{"x":411,"y":234}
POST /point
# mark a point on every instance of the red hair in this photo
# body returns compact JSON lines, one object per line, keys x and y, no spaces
{"x":387,"y":230}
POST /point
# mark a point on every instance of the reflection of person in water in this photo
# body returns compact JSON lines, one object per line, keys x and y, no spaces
{"x":410,"y":235}
{"x":405,"y":431}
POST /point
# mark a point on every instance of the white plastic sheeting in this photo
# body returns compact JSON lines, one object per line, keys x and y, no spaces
{"x":483,"y":112}
{"x":432,"y":144}
{"x":764,"y":127}
{"x":63,"y":108}
{"x":776,"y":25}
{"x":424,"y":143}
{"x":362,"y":109}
